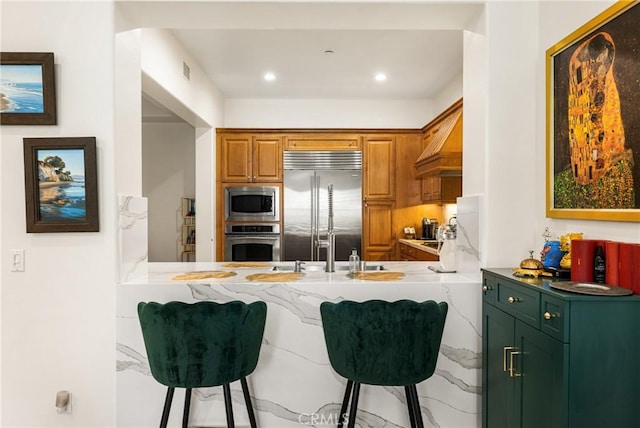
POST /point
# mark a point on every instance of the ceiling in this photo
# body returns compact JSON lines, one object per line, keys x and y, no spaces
{"x":417,"y":44}
{"x":335,"y":64}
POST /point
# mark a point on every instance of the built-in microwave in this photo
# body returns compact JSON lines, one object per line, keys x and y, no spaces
{"x":252,"y":203}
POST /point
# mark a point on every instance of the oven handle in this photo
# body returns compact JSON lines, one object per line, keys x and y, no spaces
{"x":259,"y":238}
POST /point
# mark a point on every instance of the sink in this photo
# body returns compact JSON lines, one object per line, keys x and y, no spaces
{"x":320,"y":267}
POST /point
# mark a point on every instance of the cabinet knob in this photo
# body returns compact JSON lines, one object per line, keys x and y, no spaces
{"x":513,"y":299}
{"x":486,"y":288}
{"x":248,"y":177}
{"x":548,"y":315}
{"x":254,"y":177}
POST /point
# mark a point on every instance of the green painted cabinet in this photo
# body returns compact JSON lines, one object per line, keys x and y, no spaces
{"x":557,"y":360}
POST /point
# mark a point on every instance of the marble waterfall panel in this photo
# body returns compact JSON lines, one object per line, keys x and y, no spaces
{"x":468,"y":236}
{"x":132,"y":237}
{"x":294,"y":383}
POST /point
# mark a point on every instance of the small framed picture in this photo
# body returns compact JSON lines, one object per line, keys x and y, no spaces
{"x":27,"y":89}
{"x":61,"y":184}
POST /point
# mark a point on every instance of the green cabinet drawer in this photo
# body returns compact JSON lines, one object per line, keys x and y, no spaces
{"x":489,"y":288}
{"x":522,"y":303}
{"x":555,"y":317}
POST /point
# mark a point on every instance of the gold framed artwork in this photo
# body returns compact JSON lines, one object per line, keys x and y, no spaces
{"x":593,"y":119}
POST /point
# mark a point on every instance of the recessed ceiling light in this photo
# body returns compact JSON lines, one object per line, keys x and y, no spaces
{"x":381,"y":77}
{"x":269,"y":76}
{"x":328,"y":51}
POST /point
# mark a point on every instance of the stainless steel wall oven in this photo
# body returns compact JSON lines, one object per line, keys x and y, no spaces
{"x":252,"y":242}
{"x":252,"y":203}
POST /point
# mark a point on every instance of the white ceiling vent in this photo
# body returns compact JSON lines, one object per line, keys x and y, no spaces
{"x":186,"y":71}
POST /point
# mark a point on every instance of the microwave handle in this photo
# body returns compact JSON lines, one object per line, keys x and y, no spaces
{"x":253,"y":237}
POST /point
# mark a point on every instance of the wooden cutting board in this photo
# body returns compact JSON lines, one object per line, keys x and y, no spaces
{"x":275,"y":277}
{"x":204,"y":275}
{"x":245,"y":264}
{"x":378,"y":276}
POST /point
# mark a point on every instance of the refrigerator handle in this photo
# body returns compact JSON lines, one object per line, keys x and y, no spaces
{"x":314,"y":216}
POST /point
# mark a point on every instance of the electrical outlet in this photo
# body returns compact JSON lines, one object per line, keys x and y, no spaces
{"x":17,"y":260}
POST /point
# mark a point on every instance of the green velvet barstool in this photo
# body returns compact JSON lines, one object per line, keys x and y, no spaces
{"x":202,"y":345}
{"x":383,"y":343}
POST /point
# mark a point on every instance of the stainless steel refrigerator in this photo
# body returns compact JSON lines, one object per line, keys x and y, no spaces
{"x":307,"y":175}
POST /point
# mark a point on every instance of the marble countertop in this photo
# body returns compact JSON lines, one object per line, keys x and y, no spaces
{"x":416,"y":243}
{"x":417,"y":273}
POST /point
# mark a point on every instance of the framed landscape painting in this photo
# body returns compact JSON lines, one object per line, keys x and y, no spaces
{"x":593,"y":119}
{"x":61,"y":186}
{"x":27,"y":89}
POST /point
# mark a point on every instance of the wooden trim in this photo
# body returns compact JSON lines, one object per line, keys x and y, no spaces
{"x":438,"y":118}
{"x":318,"y":130}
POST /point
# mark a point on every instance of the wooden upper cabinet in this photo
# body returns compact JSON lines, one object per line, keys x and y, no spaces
{"x":250,"y":158}
{"x":441,"y":189}
{"x":317,"y":141}
{"x":267,"y":159}
{"x":379,"y":168}
{"x":236,"y":158}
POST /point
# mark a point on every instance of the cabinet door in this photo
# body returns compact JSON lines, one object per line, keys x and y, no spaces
{"x":379,"y":178}
{"x":431,"y":189}
{"x":407,"y":253}
{"x":541,"y":396}
{"x":377,"y":238}
{"x":267,"y":159}
{"x":323,"y":142}
{"x":498,"y":388}
{"x":236,"y":158}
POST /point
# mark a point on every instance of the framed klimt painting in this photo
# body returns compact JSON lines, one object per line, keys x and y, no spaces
{"x":61,"y":185}
{"x":27,"y":89}
{"x":593,"y":119}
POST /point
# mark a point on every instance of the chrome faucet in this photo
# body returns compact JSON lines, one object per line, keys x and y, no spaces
{"x":330,"y":242}
{"x":298,"y":266}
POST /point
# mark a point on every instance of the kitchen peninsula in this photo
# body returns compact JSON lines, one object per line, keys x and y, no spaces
{"x":294,"y":383}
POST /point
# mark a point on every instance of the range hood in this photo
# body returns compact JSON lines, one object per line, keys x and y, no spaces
{"x":442,"y":155}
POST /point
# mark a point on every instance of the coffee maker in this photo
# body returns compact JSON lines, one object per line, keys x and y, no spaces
{"x":429,"y":229}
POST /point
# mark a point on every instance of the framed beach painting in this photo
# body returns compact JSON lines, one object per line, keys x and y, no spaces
{"x":61,"y":184}
{"x":593,"y":119}
{"x":27,"y":89}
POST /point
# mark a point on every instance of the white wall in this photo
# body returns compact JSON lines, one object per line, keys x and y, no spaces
{"x":199,"y":103}
{"x":168,"y":174}
{"x":511,"y":55}
{"x":58,"y":326}
{"x":448,"y":95}
{"x":289,"y":113}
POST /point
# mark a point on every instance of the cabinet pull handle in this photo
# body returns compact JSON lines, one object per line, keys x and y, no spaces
{"x":512,"y":371}
{"x":548,"y":315}
{"x":505,"y":351}
{"x":513,"y":299}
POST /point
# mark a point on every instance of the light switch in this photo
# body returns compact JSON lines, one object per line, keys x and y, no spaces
{"x":17,"y":260}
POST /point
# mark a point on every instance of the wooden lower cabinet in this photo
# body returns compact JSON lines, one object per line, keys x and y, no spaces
{"x":378,"y":240}
{"x":411,"y":254}
{"x":557,"y":360}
